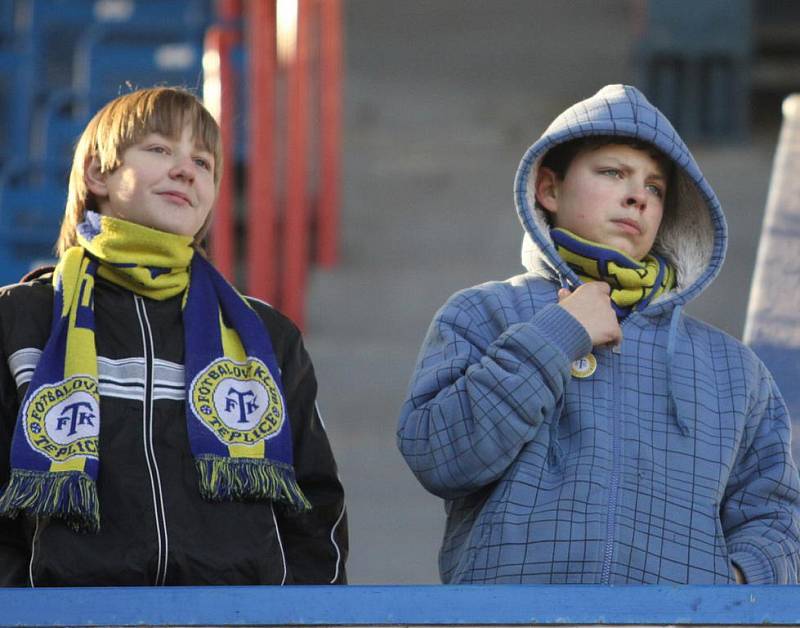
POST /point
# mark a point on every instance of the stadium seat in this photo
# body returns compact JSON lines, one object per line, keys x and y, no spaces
{"x":110,"y":62}
{"x":32,"y":203}
{"x":15,"y":82}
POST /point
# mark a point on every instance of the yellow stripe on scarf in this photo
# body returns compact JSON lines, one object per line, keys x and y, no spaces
{"x":77,"y":290}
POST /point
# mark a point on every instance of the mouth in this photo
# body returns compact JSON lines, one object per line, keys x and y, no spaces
{"x":179,"y":198}
{"x":628,"y":226}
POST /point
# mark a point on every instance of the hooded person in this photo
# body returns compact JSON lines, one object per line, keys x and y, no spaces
{"x":580,"y":426}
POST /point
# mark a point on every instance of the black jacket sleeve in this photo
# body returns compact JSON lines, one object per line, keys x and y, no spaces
{"x":14,"y":547}
{"x":315,"y":543}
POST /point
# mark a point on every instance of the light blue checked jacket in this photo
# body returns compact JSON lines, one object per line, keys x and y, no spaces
{"x":668,"y":464}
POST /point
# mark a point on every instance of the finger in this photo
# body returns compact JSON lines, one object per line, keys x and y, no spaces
{"x":563,"y":293}
{"x":603,"y":287}
{"x":612,"y":333}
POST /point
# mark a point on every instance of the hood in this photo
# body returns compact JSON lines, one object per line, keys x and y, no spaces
{"x":693,"y":232}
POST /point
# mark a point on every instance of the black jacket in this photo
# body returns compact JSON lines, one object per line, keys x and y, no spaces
{"x":156,"y":529}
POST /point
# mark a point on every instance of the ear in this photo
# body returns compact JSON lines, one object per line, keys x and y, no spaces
{"x":547,"y":184}
{"x":95,"y":178}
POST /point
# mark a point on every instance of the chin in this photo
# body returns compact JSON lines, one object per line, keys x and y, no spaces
{"x":625,"y":247}
{"x":180,"y":230}
{"x":633,"y":254}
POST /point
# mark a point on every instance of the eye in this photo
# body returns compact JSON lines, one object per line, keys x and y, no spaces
{"x":205,"y":164}
{"x":612,"y":172}
{"x":656,"y":190}
{"x":157,"y":148}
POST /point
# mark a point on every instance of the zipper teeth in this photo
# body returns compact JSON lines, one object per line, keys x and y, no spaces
{"x":614,"y":484}
{"x":149,"y":451}
{"x":610,"y":531}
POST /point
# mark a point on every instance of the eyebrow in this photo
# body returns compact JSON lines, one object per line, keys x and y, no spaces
{"x":197,"y":147}
{"x":652,"y":175}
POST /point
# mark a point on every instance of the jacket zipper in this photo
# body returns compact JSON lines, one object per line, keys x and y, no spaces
{"x":36,"y":533}
{"x":149,"y":451}
{"x":280,"y":544}
{"x":613,"y":491}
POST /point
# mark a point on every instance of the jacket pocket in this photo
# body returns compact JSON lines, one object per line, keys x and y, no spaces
{"x":489,"y":518}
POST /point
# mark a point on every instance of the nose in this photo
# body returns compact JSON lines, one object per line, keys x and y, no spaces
{"x":636,"y":196}
{"x":182,"y":168}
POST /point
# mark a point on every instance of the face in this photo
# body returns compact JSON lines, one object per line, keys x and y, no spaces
{"x":612,"y":195}
{"x":163,"y":183}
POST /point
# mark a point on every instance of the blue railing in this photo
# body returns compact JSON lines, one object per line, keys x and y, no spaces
{"x":401,"y":605}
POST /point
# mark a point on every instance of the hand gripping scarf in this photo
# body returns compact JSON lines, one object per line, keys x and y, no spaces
{"x":634,"y":284}
{"x":236,"y":412}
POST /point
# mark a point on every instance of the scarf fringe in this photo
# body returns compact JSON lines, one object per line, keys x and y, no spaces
{"x":225,"y":479}
{"x":71,"y":497}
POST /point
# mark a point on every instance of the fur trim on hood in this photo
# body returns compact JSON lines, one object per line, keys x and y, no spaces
{"x":693,"y":232}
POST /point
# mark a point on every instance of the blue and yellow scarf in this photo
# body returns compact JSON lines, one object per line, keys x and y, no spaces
{"x":236,"y":412}
{"x":634,"y":284}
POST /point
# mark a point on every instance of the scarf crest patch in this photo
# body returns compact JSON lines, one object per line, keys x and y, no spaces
{"x":634,"y":284}
{"x":240,"y":403}
{"x":236,"y":413}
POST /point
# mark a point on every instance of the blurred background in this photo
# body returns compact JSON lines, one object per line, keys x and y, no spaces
{"x":371,"y":151}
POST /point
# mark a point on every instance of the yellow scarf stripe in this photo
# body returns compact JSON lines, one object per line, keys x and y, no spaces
{"x":81,"y":355}
{"x":77,"y":293}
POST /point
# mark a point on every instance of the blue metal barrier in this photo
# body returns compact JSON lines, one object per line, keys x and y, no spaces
{"x":401,"y":605}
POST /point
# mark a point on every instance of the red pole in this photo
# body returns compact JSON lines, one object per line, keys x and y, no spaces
{"x":229,"y":9}
{"x":218,"y":42}
{"x":330,"y":87}
{"x":296,"y":248}
{"x":261,"y":237}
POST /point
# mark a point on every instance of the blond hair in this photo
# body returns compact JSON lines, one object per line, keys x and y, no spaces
{"x":122,"y":123}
